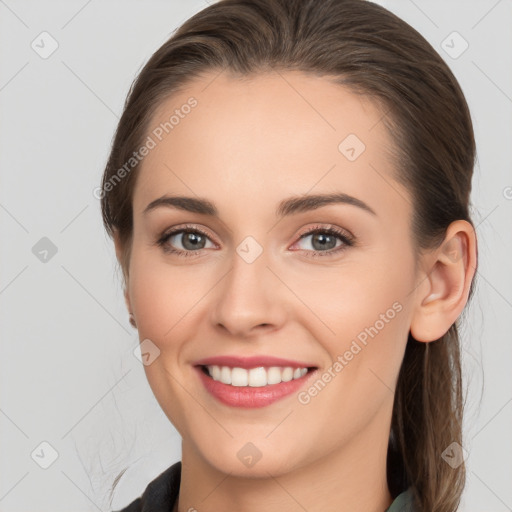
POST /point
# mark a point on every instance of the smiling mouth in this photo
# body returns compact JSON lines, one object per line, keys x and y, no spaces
{"x":254,"y":377}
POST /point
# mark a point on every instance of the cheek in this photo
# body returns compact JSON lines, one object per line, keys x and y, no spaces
{"x":367,"y":310}
{"x":348,"y":299}
{"x":161,"y":295}
{"x":163,"y":299}
{"x":361,"y":312}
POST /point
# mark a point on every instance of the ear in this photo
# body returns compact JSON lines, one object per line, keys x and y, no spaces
{"x":119,"y":255}
{"x":444,"y":289}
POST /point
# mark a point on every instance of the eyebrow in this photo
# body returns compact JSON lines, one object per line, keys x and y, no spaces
{"x":286,"y":207}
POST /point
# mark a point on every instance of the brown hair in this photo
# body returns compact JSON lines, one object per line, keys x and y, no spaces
{"x":366,"y":48}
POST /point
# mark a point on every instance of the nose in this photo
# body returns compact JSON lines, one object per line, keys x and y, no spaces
{"x":247,"y":302}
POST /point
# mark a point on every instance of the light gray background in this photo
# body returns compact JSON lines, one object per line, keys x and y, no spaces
{"x":68,"y":373}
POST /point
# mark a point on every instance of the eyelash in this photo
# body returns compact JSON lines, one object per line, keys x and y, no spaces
{"x":348,"y":240}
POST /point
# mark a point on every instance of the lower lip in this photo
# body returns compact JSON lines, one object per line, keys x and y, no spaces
{"x":251,"y":397}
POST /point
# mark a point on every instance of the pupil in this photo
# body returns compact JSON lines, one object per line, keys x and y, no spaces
{"x":323,"y":239}
{"x":193,"y":238}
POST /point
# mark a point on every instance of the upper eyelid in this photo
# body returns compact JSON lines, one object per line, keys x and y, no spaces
{"x":182,"y":229}
{"x":339,"y":232}
{"x":330,"y":227}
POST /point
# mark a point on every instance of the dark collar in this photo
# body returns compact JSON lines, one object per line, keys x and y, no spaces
{"x":160,"y":494}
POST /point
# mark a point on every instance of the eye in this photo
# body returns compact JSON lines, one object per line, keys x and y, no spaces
{"x":324,"y":241}
{"x":192,"y":240}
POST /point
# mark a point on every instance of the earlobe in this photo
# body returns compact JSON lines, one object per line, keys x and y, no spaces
{"x":444,"y":290}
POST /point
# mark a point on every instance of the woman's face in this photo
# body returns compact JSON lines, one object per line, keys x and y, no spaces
{"x":255,"y":280}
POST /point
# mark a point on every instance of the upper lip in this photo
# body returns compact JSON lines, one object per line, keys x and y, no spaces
{"x":251,"y":362}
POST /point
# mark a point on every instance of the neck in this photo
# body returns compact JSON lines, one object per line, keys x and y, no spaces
{"x":351,"y":478}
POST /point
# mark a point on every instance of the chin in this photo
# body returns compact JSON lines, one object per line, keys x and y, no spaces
{"x":246,"y":459}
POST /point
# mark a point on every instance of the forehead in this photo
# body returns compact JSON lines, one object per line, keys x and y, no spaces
{"x":268,"y":136}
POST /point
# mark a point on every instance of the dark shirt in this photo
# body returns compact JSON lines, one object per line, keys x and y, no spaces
{"x":161,"y":495}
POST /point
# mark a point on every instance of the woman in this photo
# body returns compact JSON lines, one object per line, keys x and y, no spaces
{"x":288,"y":193}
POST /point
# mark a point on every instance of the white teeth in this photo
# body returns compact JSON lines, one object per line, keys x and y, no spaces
{"x":287,"y":374}
{"x":225,"y":375}
{"x":274,"y":375}
{"x":239,"y":377}
{"x":255,"y":377}
{"x":216,"y":372}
